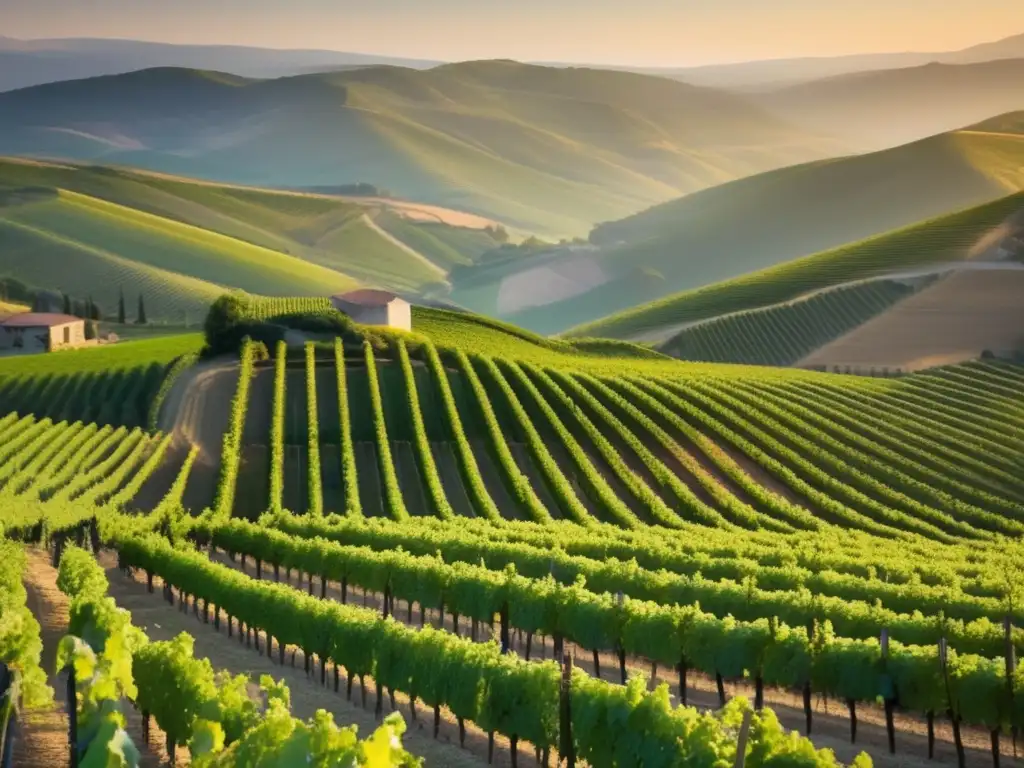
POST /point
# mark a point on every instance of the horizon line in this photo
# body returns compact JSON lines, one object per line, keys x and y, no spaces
{"x":540,"y":62}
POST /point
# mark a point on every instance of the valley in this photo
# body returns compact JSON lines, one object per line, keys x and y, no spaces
{"x":401,"y":409}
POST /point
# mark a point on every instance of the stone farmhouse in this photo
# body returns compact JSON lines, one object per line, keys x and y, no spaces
{"x":369,"y":306}
{"x":41,"y":332}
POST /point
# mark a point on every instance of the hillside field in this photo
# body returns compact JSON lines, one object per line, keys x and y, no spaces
{"x":920,"y":248}
{"x":765,"y":525}
{"x":93,"y":231}
{"x":785,"y":333}
{"x":763,"y":221}
{"x":963,"y":315}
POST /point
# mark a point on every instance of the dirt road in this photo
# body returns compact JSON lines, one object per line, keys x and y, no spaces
{"x":196,"y":412}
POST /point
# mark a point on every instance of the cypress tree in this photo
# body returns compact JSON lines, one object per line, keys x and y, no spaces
{"x":120,"y":309}
{"x":141,"y":318}
{"x":67,"y":304}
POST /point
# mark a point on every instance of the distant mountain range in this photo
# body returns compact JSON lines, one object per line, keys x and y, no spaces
{"x":25,"y":63}
{"x":33,"y":62}
{"x":874,"y":110}
{"x":777,"y":73}
{"x":541,"y":149}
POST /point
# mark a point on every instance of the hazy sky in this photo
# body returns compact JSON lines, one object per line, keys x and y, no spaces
{"x":641,"y":32}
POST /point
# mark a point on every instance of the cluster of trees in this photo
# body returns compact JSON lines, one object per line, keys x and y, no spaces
{"x":41,"y":300}
{"x":15,"y":290}
{"x":140,"y":313}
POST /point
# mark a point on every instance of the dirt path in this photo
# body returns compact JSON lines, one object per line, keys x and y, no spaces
{"x":44,"y":739}
{"x":412,"y":252}
{"x":163,"y":622}
{"x":159,"y":483}
{"x":196,"y":412}
{"x":451,"y":478}
{"x":179,"y":412}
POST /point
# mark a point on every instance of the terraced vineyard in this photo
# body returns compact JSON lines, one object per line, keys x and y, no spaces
{"x":785,"y":333}
{"x":728,"y":530}
{"x":952,"y":237}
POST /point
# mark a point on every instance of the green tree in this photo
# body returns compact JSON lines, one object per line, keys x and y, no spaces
{"x":120,"y":309}
{"x":140,"y":318}
{"x":67,"y":304}
{"x":90,"y":329}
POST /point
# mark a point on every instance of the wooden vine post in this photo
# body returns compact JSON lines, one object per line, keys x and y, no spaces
{"x":682,"y":680}
{"x":808,"y":712}
{"x":72,"y":701}
{"x":954,"y":718}
{"x":1011,"y":668}
{"x":505,"y":638}
{"x":566,"y":747}
{"x":622,"y":651}
{"x":851,"y":704}
{"x":741,"y":744}
{"x":7,"y":724}
{"x":890,"y":703}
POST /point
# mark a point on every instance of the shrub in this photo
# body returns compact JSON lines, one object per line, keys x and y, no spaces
{"x":260,"y":353}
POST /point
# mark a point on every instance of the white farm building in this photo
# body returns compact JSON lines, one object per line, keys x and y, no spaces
{"x":41,"y":332}
{"x":368,"y":306}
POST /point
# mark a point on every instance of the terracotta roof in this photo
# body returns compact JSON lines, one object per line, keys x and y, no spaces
{"x":38,"y":320}
{"x":367,"y":297}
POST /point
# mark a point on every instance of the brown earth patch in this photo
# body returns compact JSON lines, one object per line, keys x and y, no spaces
{"x":954,"y":320}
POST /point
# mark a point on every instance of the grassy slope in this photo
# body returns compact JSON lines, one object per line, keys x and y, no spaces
{"x":475,"y":333}
{"x":102,"y":359}
{"x":181,"y":242}
{"x":443,"y":245}
{"x":541,"y":148}
{"x":756,"y":223}
{"x":943,"y":239}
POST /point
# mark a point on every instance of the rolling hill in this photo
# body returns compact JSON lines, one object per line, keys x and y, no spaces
{"x":972,"y":234}
{"x":959,"y":318}
{"x":761,"y":221}
{"x":787,"y":332}
{"x":97,"y":230}
{"x":542,"y":149}
{"x":874,"y":110}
